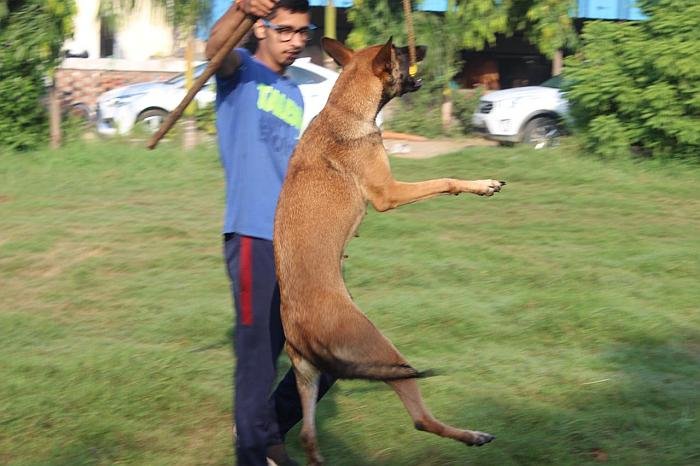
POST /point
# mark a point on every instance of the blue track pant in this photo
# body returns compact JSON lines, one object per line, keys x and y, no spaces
{"x":262,"y":417}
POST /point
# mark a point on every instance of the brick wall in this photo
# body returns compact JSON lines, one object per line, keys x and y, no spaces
{"x":81,"y":80}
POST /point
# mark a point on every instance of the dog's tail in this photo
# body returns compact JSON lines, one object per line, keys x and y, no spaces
{"x":378,"y":372}
{"x":345,"y":369}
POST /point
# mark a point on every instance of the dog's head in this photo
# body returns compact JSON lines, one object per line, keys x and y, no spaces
{"x":388,"y":63}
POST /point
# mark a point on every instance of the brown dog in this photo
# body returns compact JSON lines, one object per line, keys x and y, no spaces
{"x":338,"y":167}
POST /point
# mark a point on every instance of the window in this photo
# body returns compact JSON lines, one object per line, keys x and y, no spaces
{"x":106,"y":39}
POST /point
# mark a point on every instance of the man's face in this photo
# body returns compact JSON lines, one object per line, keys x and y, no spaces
{"x":283,"y":37}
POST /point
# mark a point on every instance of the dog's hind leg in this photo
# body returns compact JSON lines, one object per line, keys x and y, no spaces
{"x":409,"y":393}
{"x":308,"y":378}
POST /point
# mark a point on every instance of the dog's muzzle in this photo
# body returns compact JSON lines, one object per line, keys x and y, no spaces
{"x":411,"y":85}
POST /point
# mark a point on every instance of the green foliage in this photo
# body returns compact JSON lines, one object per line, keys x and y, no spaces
{"x":420,"y":113}
{"x":545,"y":23}
{"x":180,"y":13}
{"x":481,"y":21}
{"x":206,"y":119}
{"x":31,"y":35}
{"x":645,"y":91}
{"x":608,"y":136}
{"x":464,"y":104}
{"x":374,"y":21}
{"x":417,"y":113}
{"x":471,"y":24}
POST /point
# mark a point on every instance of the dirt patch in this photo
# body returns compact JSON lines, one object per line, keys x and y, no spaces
{"x":432,"y":147}
{"x":57,"y":264}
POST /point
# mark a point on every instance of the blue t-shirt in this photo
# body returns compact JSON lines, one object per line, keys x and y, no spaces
{"x":258,"y":119}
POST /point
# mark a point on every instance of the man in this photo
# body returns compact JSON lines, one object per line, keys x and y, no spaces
{"x":259,"y":116}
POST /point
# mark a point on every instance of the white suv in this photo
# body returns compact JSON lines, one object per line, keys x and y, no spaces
{"x":531,"y":114}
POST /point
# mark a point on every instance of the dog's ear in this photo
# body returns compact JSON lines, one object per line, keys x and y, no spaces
{"x":382,"y":62}
{"x":338,"y":52}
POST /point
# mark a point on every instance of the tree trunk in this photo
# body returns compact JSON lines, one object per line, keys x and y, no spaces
{"x":189,"y":136}
{"x":189,"y":133}
{"x":557,"y":62}
{"x":446,"y":109}
{"x":54,"y":117}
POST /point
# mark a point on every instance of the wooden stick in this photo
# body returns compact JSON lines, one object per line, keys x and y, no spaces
{"x":244,"y":23}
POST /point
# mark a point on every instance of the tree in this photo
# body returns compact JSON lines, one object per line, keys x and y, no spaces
{"x":31,"y":35}
{"x":466,"y":24}
{"x":185,"y":16}
{"x":546,"y":23}
{"x":643,"y":93}
{"x":471,"y":24}
{"x":444,"y":34}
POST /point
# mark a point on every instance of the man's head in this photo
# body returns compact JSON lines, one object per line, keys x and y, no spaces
{"x":283,"y":34}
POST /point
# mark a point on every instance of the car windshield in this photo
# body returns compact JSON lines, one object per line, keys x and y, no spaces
{"x":301,"y":76}
{"x":179,"y":79}
{"x":554,"y":81}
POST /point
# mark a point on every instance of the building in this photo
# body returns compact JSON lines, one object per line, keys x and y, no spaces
{"x":143,"y":33}
{"x":100,"y":56}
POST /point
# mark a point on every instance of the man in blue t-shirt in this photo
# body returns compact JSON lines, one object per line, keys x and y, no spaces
{"x":259,"y":115}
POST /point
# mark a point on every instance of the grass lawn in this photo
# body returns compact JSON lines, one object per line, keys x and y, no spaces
{"x":562,"y":315}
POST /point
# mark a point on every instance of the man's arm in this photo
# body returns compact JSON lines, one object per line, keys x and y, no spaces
{"x":224,"y":27}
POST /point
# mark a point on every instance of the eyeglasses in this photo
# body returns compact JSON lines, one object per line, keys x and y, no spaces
{"x":286,"y":33}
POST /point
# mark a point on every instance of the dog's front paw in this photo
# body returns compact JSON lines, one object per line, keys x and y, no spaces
{"x":487,"y":187}
{"x":476,"y":438}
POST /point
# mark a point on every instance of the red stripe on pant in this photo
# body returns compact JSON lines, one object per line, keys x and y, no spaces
{"x":246,"y":280}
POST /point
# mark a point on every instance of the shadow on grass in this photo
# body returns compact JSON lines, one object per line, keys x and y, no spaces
{"x":645,"y":412}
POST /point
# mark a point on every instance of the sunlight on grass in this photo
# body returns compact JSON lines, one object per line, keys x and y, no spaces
{"x":561,"y":315}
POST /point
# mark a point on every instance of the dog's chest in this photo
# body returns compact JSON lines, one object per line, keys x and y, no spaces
{"x":352,"y":232}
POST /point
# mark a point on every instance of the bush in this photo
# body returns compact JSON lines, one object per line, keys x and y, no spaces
{"x":417,"y":113}
{"x":464,"y":105}
{"x":206,"y":119}
{"x":642,"y":92}
{"x":31,"y":34}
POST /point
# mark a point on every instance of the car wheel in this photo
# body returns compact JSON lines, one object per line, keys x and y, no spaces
{"x":81,"y":112}
{"x":541,"y":132}
{"x":150,"y":120}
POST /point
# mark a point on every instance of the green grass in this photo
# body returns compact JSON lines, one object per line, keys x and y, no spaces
{"x":561,"y":314}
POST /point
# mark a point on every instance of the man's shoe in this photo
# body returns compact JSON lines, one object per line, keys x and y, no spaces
{"x":276,"y":455}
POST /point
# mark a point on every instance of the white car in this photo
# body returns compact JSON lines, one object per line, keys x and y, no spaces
{"x":120,"y":109}
{"x":531,"y":114}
